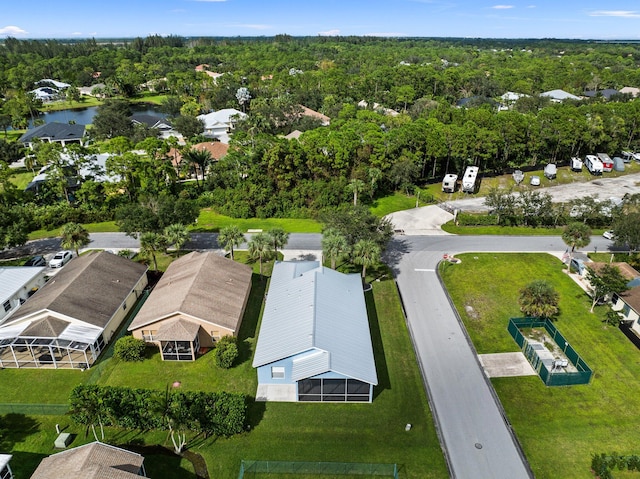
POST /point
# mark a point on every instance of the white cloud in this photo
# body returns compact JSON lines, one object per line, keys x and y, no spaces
{"x":12,"y":30}
{"x":615,"y":13}
{"x":502,"y":7}
{"x":76,"y":34}
{"x":254,"y":26}
{"x":330,"y":33}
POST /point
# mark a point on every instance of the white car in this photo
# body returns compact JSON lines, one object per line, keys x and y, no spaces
{"x":60,"y":259}
{"x":608,"y":234}
{"x":535,"y":181}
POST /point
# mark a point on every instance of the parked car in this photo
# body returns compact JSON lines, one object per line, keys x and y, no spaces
{"x":535,"y":181}
{"x":60,"y":259}
{"x":550,"y":171}
{"x":608,"y":234}
{"x":37,"y":260}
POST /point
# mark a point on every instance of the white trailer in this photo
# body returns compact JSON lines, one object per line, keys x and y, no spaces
{"x":593,"y":164}
{"x":449,"y":183}
{"x":550,"y":171}
{"x":607,"y":162}
{"x":576,"y":164}
{"x":470,"y":179}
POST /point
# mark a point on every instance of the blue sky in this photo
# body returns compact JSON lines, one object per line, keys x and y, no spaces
{"x":582,"y":19}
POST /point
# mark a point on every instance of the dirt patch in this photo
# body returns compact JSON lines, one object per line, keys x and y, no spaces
{"x":472,"y":313}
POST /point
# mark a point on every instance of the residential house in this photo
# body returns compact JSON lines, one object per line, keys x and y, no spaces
{"x":630,"y":90}
{"x":46,"y":94}
{"x":314,"y":342}
{"x":217,"y":149}
{"x":53,"y":83}
{"x":62,"y":133}
{"x":5,"y":468}
{"x":607,"y":93}
{"x":323,"y":119}
{"x":93,"y":167}
{"x":93,"y":90}
{"x":17,"y":284}
{"x":627,"y":304}
{"x":199,"y":299}
{"x":294,"y":135}
{"x":559,"y":96}
{"x":508,"y":99}
{"x":95,"y":460}
{"x":378,"y":108}
{"x":218,"y":124}
{"x":164,"y":126}
{"x":68,"y":322}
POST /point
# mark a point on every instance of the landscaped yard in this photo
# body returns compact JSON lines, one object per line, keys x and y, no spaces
{"x":278,"y":431}
{"x":558,"y":427}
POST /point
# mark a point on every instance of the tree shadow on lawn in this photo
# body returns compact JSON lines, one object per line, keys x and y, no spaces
{"x":249,"y":326}
{"x":23,"y":463}
{"x":378,"y":347}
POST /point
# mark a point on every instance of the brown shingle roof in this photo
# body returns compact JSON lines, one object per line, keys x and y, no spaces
{"x":47,"y":327}
{"x":632,"y":298}
{"x":217,"y":149}
{"x":625,"y":269}
{"x":89,"y":288}
{"x":203,"y":285}
{"x":91,"y":461}
{"x":177,"y":330}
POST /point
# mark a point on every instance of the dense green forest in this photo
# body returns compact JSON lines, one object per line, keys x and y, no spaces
{"x":409,"y":133}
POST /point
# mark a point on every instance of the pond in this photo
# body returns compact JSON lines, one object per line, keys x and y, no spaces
{"x":84,"y":116}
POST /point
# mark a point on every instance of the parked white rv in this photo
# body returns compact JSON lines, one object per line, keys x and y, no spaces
{"x":470,"y":179}
{"x":607,"y":162}
{"x":576,"y":164}
{"x":550,"y":171}
{"x":593,"y":164}
{"x":449,"y":183}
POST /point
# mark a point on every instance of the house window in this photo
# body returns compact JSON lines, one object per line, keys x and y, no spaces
{"x":6,"y":305}
{"x":215,"y":335}
{"x":277,"y":372}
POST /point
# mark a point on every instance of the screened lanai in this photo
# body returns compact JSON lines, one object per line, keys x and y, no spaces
{"x":50,"y":343}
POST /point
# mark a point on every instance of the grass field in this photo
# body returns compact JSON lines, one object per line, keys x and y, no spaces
{"x":279,"y":431}
{"x":560,"y":427}
{"x":209,"y":220}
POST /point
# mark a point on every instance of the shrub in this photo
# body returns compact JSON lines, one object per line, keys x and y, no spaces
{"x":226,"y":351}
{"x":129,"y":348}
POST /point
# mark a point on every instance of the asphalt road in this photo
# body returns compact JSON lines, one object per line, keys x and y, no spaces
{"x":474,"y":431}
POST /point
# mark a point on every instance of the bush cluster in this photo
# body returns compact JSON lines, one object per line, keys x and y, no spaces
{"x":219,"y":414}
{"x":129,"y":348}
{"x":602,"y":464}
{"x":226,"y":351}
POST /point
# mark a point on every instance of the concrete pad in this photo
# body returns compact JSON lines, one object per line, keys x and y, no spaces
{"x":276,"y":393}
{"x":426,"y":220}
{"x":506,"y":365}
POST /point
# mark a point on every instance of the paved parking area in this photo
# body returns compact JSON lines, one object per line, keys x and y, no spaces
{"x":506,"y":365}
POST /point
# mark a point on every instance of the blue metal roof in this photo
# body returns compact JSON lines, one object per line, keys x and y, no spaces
{"x":314,"y":309}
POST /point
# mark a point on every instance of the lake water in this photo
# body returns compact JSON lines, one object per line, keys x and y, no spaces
{"x":84,"y":116}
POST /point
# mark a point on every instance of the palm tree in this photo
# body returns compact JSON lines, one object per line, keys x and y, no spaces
{"x":74,"y":236}
{"x":230,"y":237}
{"x":260,"y":248}
{"x":151,"y":244}
{"x":355,"y":186}
{"x":334,"y":246}
{"x":539,"y":299}
{"x":279,"y":238}
{"x":177,"y":234}
{"x":367,"y":253}
{"x":575,"y":235}
{"x":201,"y":158}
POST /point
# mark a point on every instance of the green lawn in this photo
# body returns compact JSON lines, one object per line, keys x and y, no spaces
{"x":279,"y":431}
{"x":209,"y":220}
{"x":450,"y":227}
{"x":560,"y":427}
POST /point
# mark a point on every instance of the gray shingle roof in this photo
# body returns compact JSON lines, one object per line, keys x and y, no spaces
{"x":47,"y":327}
{"x":177,"y":330}
{"x":91,"y":461}
{"x":54,"y":131}
{"x":89,"y":288}
{"x":317,"y":310}
{"x":202,"y":285}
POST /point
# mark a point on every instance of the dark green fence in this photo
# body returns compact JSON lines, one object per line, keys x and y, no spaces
{"x":549,"y":376}
{"x":318,"y":468}
{"x":35,"y":409}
